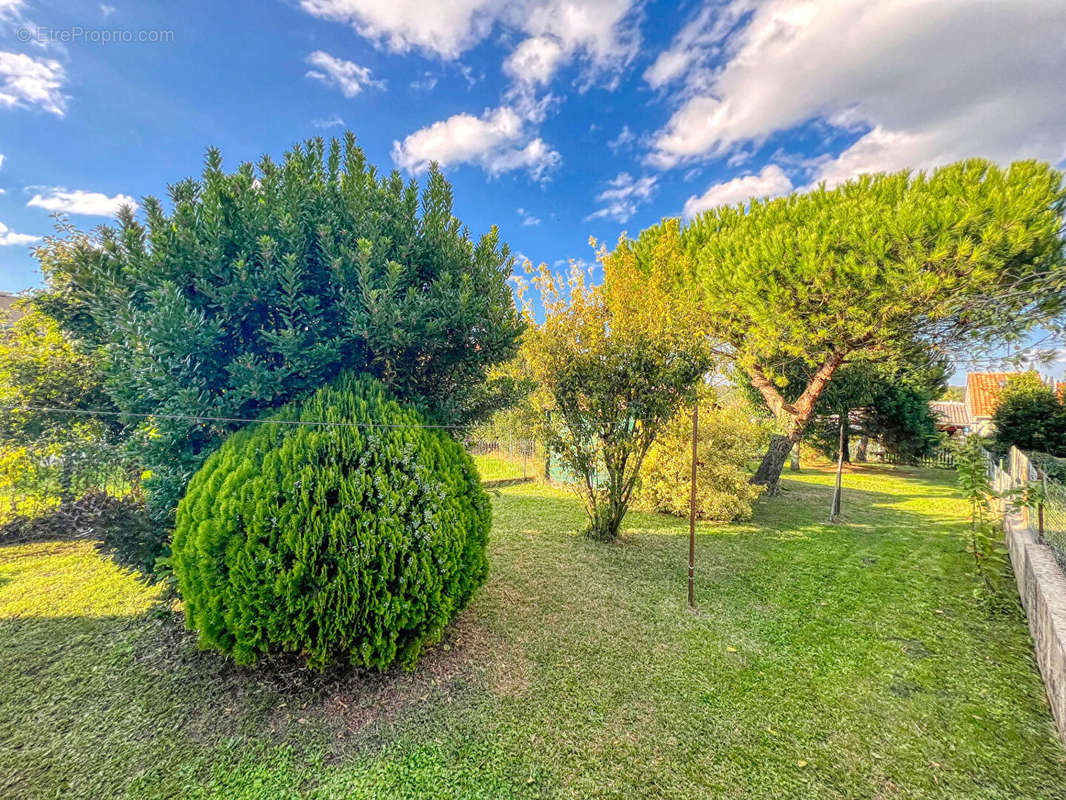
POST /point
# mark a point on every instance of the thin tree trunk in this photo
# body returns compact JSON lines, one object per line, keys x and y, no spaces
{"x":834,"y":512}
{"x":860,"y":451}
{"x":547,"y":450}
{"x":794,"y":460}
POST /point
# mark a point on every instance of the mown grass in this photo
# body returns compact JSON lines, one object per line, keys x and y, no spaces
{"x":823,"y":660}
{"x":501,"y":467}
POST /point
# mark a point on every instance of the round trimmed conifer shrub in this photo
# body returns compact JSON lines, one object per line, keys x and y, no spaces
{"x":355,"y":541}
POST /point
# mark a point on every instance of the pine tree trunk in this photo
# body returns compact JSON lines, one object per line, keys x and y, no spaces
{"x":769,"y":472}
{"x":796,"y":415}
{"x":860,"y":451}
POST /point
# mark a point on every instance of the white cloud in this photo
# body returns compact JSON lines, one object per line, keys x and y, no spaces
{"x":495,"y":141}
{"x":537,"y":157}
{"x":333,"y":121}
{"x":556,"y":30}
{"x":425,"y":84}
{"x":28,"y":82}
{"x":445,"y":29}
{"x":603,"y":32}
{"x":11,"y":9}
{"x":930,"y":83}
{"x":770,"y":182}
{"x":9,"y":238}
{"x":623,"y":196}
{"x":1,"y":159}
{"x":90,"y":204}
{"x":625,"y":137}
{"x":347,"y":76}
{"x":535,"y":59}
{"x":527,"y":218}
{"x":697,"y":40}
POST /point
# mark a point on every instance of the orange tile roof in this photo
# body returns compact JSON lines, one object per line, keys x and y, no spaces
{"x":983,"y":388}
{"x":982,"y":391}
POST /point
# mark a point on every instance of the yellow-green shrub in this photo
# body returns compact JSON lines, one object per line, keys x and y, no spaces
{"x":731,"y":434}
{"x":337,"y":542}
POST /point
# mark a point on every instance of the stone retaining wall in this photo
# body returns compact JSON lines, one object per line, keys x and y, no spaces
{"x":1042,"y":587}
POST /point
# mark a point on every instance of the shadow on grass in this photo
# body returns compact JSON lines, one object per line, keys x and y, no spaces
{"x":124,"y":667}
{"x":921,"y":501}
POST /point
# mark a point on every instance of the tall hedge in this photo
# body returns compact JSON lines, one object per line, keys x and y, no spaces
{"x":333,"y":541}
{"x":253,"y":287}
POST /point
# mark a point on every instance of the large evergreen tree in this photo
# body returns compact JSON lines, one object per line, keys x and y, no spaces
{"x":969,"y":251}
{"x":887,"y":401}
{"x":257,"y":286}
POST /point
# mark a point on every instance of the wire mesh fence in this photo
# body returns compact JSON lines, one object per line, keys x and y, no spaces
{"x":1047,"y":520}
{"x":505,"y":460}
{"x":35,"y":479}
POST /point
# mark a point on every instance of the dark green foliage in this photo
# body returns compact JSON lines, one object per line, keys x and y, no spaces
{"x":260,"y":285}
{"x":886,"y":400}
{"x":1030,"y":416}
{"x":899,"y":418}
{"x":129,"y":534}
{"x":337,"y":543}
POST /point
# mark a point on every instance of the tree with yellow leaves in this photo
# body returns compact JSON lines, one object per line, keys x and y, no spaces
{"x":613,"y":363}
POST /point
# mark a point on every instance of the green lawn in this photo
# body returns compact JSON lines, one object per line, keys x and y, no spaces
{"x":501,"y":467}
{"x":823,"y":661}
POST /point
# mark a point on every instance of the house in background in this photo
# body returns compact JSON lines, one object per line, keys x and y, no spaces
{"x":950,"y":416}
{"x":974,"y":413}
{"x":982,"y":397}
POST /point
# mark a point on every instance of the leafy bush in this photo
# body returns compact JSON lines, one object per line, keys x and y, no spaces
{"x":252,"y":288}
{"x":337,"y":542}
{"x":986,"y":531}
{"x":612,"y":363}
{"x":48,"y":457}
{"x":730,"y":436}
{"x":1030,"y":416}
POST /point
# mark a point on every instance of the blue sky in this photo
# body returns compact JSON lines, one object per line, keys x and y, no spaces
{"x":555,"y":119}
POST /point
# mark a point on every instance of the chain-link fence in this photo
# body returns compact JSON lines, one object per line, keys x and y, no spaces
{"x":1047,"y":519}
{"x":507,"y":460}
{"x":34,"y":479}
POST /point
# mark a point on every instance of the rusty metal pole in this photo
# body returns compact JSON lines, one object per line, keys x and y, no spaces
{"x":692,"y":511}
{"x":834,"y":511}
